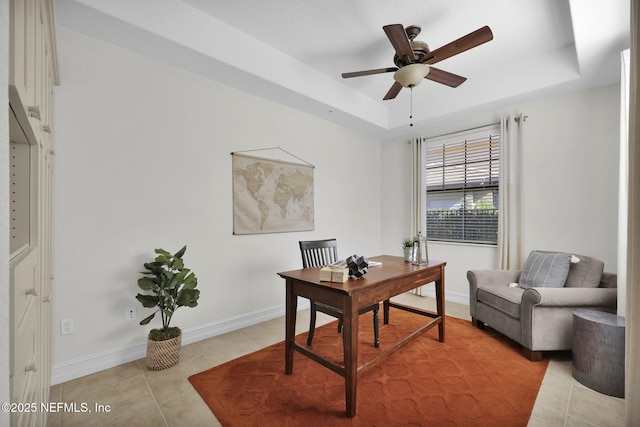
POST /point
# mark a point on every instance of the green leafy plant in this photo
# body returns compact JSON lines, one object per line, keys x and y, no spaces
{"x":171,"y":285}
{"x":407,"y":243}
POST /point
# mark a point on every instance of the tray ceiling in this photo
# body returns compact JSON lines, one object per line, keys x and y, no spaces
{"x":294,"y":51}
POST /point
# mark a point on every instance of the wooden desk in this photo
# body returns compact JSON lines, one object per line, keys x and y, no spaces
{"x":393,"y":277}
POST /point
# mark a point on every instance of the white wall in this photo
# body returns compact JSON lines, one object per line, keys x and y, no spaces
{"x":143,"y":161}
{"x":570,"y":171}
{"x":5,"y":351}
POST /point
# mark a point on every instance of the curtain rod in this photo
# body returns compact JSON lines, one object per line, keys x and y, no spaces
{"x":524,"y":118}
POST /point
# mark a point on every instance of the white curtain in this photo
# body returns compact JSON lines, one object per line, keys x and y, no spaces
{"x":632,"y":318}
{"x":623,"y":181}
{"x":419,"y":196}
{"x":418,"y":193}
{"x":510,"y":198}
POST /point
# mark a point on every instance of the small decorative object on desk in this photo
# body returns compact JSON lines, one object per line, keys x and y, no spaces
{"x":334,"y":274}
{"x":407,"y":248}
{"x":357,"y":266}
{"x":420,"y":255}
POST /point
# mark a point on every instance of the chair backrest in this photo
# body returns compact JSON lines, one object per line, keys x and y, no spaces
{"x":316,"y":253}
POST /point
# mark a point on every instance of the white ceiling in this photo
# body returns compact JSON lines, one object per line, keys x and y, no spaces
{"x":294,"y":51}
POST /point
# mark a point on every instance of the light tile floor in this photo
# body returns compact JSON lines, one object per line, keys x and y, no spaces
{"x":139,"y":397}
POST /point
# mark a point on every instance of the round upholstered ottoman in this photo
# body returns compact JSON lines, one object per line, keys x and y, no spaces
{"x":598,"y":351}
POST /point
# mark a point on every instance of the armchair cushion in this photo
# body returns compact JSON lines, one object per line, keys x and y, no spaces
{"x":545,"y":270}
{"x":502,"y":298}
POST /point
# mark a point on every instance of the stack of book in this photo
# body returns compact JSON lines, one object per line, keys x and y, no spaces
{"x":334,"y":274}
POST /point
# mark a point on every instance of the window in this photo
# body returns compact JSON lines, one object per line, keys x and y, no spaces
{"x":462,"y":184}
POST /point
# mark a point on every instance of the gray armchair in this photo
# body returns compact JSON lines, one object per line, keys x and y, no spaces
{"x":539,"y":318}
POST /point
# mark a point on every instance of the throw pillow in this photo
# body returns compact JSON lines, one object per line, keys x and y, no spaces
{"x":545,"y":270}
{"x":585,"y":274}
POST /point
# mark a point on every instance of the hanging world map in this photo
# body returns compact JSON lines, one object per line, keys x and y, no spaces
{"x":271,"y":196}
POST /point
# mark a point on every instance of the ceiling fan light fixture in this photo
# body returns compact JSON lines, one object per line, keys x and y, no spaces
{"x":411,"y":75}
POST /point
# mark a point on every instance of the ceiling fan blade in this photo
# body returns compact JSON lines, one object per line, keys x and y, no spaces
{"x":398,"y":38}
{"x":467,"y":42}
{"x":393,"y":92}
{"x":369,"y":72}
{"x":445,"y":77}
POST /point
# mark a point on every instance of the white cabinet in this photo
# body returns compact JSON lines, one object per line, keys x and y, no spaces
{"x":33,"y":72}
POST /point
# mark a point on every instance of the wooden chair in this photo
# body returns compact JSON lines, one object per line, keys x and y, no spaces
{"x":316,"y":253}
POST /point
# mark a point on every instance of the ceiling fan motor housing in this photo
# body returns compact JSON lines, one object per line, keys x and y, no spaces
{"x":420,"y":50}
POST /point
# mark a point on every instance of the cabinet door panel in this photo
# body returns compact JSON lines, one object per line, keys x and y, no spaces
{"x":22,"y":48}
{"x":25,"y":376}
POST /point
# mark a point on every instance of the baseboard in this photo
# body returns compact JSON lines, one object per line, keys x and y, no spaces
{"x":100,"y":361}
{"x":448,"y":296}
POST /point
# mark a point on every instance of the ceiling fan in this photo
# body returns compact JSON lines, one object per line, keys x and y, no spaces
{"x":413,"y":58}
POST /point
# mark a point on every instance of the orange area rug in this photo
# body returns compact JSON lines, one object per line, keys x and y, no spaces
{"x":475,"y":378}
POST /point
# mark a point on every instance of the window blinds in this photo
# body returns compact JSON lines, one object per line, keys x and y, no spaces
{"x":462,"y":184}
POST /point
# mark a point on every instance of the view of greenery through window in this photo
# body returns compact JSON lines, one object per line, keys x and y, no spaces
{"x":462,"y":179}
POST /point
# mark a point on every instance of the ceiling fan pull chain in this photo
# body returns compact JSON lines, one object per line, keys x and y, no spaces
{"x":411,"y":108}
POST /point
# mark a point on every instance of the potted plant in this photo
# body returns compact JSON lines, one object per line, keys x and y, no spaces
{"x":407,"y":247}
{"x":169,"y":285}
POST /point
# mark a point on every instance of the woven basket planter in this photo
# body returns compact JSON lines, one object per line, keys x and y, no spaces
{"x":163,"y":354}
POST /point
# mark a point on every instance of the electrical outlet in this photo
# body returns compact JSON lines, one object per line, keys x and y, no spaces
{"x":130,"y":313}
{"x":66,"y":326}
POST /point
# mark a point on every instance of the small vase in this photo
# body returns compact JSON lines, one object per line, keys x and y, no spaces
{"x":163,"y":354}
{"x":408,"y":254}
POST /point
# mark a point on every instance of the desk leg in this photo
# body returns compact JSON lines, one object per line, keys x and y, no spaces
{"x":290,"y":334}
{"x":385,"y":311}
{"x":440,"y":304}
{"x":350,"y":343}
